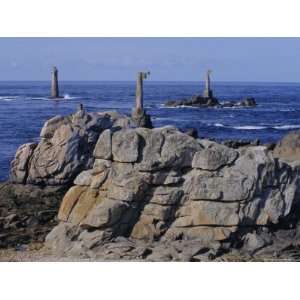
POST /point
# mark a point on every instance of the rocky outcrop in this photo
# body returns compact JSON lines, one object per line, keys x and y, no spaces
{"x":161,"y":186}
{"x":200,"y":101}
{"x":289,"y":147}
{"x":247,"y":102}
{"x":196,"y":101}
{"x":64,"y":150}
{"x":150,"y":194}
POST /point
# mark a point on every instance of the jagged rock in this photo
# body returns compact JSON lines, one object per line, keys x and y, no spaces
{"x":140,"y":118}
{"x":200,"y":101}
{"x":65,"y":149}
{"x":254,"y":242}
{"x":103,"y":147}
{"x":289,"y":147}
{"x":165,"y":185}
{"x":153,"y":187}
{"x":214,"y":157}
{"x":84,"y":178}
{"x":125,"y":146}
{"x":196,"y":101}
{"x":19,"y":166}
{"x":247,"y":102}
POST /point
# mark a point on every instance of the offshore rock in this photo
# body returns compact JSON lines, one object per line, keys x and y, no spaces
{"x":200,"y":101}
{"x":196,"y":101}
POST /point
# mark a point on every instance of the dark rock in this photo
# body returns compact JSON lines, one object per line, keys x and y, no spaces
{"x":196,"y":101}
{"x":192,"y":132}
{"x":200,"y":101}
{"x":140,"y":118}
{"x":27,"y":213}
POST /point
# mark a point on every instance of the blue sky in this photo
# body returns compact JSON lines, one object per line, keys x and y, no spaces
{"x":231,"y":59}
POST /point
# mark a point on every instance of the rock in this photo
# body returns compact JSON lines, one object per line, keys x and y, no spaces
{"x":103,"y":148}
{"x":66,"y":148}
{"x":288,"y":148}
{"x":247,"y":102}
{"x":214,"y":157}
{"x":84,"y":178}
{"x":254,"y":242}
{"x":200,"y":101}
{"x":125,"y":146}
{"x":19,"y":166}
{"x":52,"y":125}
{"x":27,"y":213}
{"x":197,"y":100}
{"x":157,"y":188}
{"x":140,"y":118}
{"x":192,"y":132}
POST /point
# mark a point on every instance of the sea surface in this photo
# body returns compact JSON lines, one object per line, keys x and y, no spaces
{"x":24,"y":107}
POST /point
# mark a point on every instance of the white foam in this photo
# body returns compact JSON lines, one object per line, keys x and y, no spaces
{"x":8,"y":98}
{"x":285,"y":127}
{"x":249,"y":127}
{"x":68,"y":97}
{"x":219,"y":125}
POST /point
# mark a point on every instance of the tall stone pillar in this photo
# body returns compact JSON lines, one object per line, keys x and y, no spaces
{"x":54,"y":83}
{"x":207,"y":91}
{"x":139,"y":94}
{"x":139,"y":116}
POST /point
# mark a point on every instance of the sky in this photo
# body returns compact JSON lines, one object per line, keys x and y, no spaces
{"x":168,"y":59}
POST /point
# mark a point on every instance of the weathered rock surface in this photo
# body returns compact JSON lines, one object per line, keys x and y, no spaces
{"x":159,"y":186}
{"x":65,"y":148}
{"x":151,"y":194}
{"x":289,"y":147}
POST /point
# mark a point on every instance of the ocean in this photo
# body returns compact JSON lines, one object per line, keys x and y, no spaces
{"x":24,"y":107}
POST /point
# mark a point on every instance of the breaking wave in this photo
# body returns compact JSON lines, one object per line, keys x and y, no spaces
{"x":8,"y":98}
{"x":259,"y":127}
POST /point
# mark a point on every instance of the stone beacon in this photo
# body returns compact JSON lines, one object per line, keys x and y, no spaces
{"x":139,"y":116}
{"x":207,"y":91}
{"x":54,"y":83}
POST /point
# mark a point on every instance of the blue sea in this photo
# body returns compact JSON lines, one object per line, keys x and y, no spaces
{"x":24,"y":107}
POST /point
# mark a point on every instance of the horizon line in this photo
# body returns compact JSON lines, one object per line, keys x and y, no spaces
{"x":149,"y":81}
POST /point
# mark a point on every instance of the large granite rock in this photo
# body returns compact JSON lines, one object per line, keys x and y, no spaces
{"x":289,"y":147}
{"x":161,"y":185}
{"x":65,"y":148}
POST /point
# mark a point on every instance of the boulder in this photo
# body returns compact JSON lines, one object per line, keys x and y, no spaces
{"x":214,"y":157}
{"x":66,"y":148}
{"x":288,"y":148}
{"x":125,"y":146}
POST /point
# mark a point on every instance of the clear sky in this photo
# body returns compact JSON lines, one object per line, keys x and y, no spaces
{"x":231,"y":59}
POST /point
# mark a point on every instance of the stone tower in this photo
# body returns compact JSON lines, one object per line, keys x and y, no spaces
{"x":139,"y":116}
{"x":54,"y":83}
{"x":207,"y":91}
